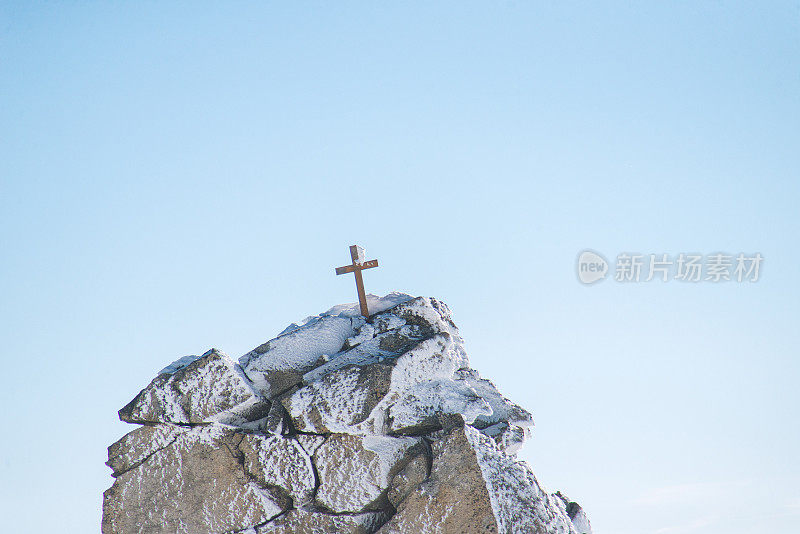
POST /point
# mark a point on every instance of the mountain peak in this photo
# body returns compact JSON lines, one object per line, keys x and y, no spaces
{"x":338,"y":424}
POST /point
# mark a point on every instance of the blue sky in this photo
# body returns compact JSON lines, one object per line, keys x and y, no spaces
{"x":186,"y":176}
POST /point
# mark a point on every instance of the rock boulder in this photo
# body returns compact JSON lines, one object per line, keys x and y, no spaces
{"x":339,"y":425}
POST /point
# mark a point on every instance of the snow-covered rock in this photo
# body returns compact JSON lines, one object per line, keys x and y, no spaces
{"x":576,"y":514}
{"x":279,"y":462}
{"x":453,"y":498}
{"x":339,"y":401}
{"x":278,"y":364}
{"x":194,"y":484}
{"x":210,"y":388}
{"x":338,"y":425}
{"x":355,"y":471}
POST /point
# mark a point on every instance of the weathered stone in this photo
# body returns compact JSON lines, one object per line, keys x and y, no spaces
{"x":282,"y":462}
{"x":502,"y":408}
{"x":275,"y":382}
{"x":579,"y":519}
{"x":576,"y":514}
{"x":210,"y":388}
{"x":384,"y":347}
{"x":509,"y":437}
{"x":365,"y":333}
{"x":355,"y":472}
{"x":421,"y":407}
{"x":387,"y":321}
{"x":407,"y":480}
{"x":520,"y":504}
{"x":280,"y":363}
{"x":474,"y":487}
{"x":401,"y":340}
{"x":340,"y":400}
{"x":311,"y":439}
{"x":194,"y":485}
{"x":300,"y":521}
{"x":276,"y":419}
{"x":138,"y":445}
{"x":454,"y":498}
{"x":434,"y":358}
{"x":415,"y":321}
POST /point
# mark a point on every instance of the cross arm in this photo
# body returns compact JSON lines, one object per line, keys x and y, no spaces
{"x":357,"y":267}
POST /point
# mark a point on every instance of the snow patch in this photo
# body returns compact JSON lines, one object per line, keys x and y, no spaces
{"x":375,"y":304}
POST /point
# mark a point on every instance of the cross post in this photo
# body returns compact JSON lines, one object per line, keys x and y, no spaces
{"x":358,"y":265}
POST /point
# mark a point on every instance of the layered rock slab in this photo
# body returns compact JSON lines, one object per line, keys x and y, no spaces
{"x":280,"y":363}
{"x":340,"y":400}
{"x":279,"y":462}
{"x":518,"y":502}
{"x":211,"y":388}
{"x":355,"y":472}
{"x":474,"y":487}
{"x":453,"y":498}
{"x":194,"y":484}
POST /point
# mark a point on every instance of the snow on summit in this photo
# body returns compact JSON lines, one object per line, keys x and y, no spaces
{"x":338,"y":424}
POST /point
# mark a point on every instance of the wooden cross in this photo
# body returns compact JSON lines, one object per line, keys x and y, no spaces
{"x":358,"y":265}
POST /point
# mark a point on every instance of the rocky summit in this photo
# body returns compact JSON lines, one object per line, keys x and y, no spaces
{"x":338,"y":425}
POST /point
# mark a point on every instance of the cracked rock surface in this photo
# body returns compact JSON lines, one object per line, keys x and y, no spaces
{"x":338,"y":425}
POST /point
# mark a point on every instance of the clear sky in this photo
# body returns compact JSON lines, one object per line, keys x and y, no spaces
{"x":186,"y":176}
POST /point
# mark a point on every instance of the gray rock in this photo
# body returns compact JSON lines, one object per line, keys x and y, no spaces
{"x":365,"y":333}
{"x":383,"y":347}
{"x":300,"y":521}
{"x":474,"y":487}
{"x":509,"y":437}
{"x":355,"y":471}
{"x":195,"y":485}
{"x":576,"y":514}
{"x":423,"y":405}
{"x":399,"y":330}
{"x":427,"y":313}
{"x":385,"y":322}
{"x":138,"y":445}
{"x":407,"y":480}
{"x":502,"y":408}
{"x":335,"y":426}
{"x":579,"y":519}
{"x":280,"y":462}
{"x":279,"y":364}
{"x":275,"y":423}
{"x":519,"y":503}
{"x":339,"y":400}
{"x":211,"y":388}
{"x":453,"y":499}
